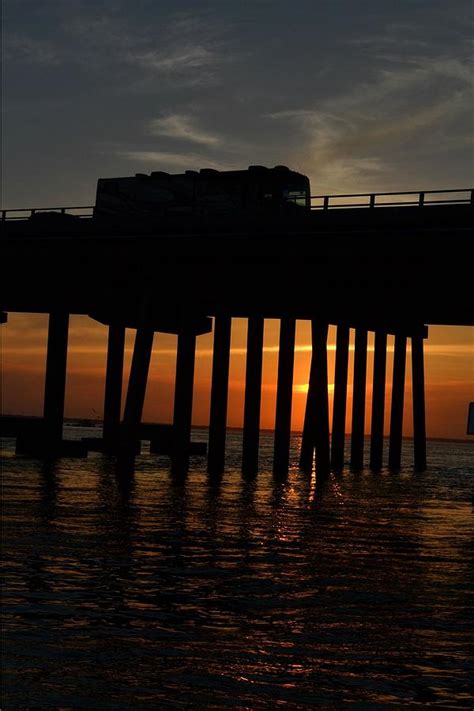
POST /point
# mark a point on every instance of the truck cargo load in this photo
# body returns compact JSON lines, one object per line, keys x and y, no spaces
{"x":207,"y":192}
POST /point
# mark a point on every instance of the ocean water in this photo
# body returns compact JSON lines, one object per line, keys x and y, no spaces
{"x":153,"y":594}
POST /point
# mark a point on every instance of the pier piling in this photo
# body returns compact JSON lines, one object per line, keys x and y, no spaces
{"x":321,"y":432}
{"x":219,"y":394}
{"x":113,"y":387}
{"x":398,"y":394}
{"x":418,"y":393}
{"x":183,"y":400}
{"x":253,"y":394}
{"x":316,"y":421}
{"x":55,"y":382}
{"x":378,"y":400}
{"x":130,"y":431}
{"x":340,"y":398}
{"x":358,"y":399}
{"x":307,"y":437}
{"x":286,"y":359}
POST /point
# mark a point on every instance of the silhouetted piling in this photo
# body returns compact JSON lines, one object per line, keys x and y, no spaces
{"x":340,"y":398}
{"x":219,"y":394}
{"x":113,"y":386}
{"x":183,"y":400}
{"x":3,"y":317}
{"x":321,"y":433}
{"x":307,"y":437}
{"x":378,"y":400}
{"x":286,"y":360}
{"x":358,"y":399}
{"x":130,"y":431}
{"x":398,"y":395}
{"x":55,"y":382}
{"x":316,"y":421}
{"x":253,"y":388}
{"x":418,"y":392}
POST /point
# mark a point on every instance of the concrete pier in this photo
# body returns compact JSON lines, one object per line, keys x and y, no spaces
{"x":55,"y":383}
{"x":253,"y":394}
{"x":286,"y":360}
{"x":378,"y":400}
{"x":418,"y":392}
{"x":130,"y":431}
{"x":219,"y":394}
{"x":340,"y":398}
{"x":113,"y":387}
{"x":398,"y":396}
{"x":358,"y":399}
{"x":183,"y":400}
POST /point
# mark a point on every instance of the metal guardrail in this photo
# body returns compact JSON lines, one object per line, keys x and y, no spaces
{"x":465,"y":196}
{"x":27,"y":212}
{"x":421,"y":199}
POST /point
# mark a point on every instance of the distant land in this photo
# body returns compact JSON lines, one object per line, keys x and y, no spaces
{"x":90,"y":422}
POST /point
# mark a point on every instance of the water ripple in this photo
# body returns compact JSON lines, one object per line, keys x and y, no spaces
{"x":247,"y":595}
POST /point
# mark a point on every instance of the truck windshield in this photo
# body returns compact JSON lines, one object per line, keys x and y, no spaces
{"x":298,"y":197}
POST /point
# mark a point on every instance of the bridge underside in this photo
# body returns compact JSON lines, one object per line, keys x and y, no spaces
{"x":407,"y":268}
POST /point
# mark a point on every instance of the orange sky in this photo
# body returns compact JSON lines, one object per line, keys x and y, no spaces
{"x":449,"y":365}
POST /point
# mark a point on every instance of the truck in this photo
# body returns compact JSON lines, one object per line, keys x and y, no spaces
{"x":204,"y":192}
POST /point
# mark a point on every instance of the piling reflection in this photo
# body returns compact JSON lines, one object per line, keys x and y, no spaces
{"x":49,"y":491}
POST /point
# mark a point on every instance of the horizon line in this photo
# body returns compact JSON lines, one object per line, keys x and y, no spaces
{"x":92,"y":421}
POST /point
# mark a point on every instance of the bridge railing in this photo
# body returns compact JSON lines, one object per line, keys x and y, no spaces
{"x":394,"y":199}
{"x":459,"y":196}
{"x":24,"y":213}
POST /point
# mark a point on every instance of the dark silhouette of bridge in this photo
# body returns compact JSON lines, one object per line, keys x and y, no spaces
{"x":388,"y":263}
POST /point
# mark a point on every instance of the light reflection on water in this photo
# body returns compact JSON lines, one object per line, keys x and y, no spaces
{"x":157,"y":594}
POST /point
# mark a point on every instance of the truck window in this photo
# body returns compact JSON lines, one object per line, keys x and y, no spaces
{"x":298,"y":197}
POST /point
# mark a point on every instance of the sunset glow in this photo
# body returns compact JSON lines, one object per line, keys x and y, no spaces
{"x":303,"y":388}
{"x":448,"y":364}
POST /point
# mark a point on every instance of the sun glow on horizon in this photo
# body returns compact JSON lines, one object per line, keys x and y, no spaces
{"x":304,"y":387}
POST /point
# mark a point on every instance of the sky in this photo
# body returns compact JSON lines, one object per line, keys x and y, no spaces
{"x":360,"y":96}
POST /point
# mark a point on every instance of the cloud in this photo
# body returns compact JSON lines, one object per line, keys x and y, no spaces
{"x":180,"y":126}
{"x":395,"y":34}
{"x":183,"y":66}
{"x":21,"y":48}
{"x":405,"y":113}
{"x":333,"y":155}
{"x":181,"y":60}
{"x":191,"y":49}
{"x":181,"y":48}
{"x":176,"y":161}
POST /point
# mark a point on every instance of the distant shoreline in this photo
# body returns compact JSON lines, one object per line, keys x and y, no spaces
{"x":88,"y":422}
